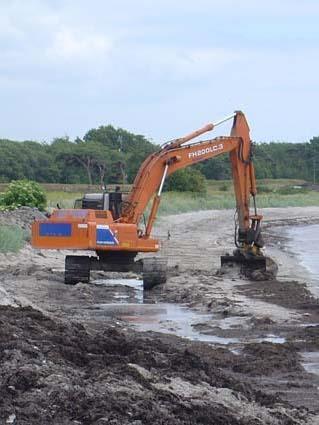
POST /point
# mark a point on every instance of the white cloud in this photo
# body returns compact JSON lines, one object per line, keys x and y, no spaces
{"x":174,"y":63}
{"x":210,"y":59}
{"x":78,"y":45}
{"x":8,"y":30}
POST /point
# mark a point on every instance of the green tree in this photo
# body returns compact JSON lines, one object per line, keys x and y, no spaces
{"x":132,"y":149}
{"x":186,"y":180}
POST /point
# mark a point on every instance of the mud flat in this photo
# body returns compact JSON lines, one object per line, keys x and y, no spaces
{"x":89,"y":354}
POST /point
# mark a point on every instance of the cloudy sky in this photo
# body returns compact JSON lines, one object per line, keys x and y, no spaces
{"x":160,"y":68}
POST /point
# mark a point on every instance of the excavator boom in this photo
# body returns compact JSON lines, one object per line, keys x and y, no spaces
{"x":176,"y":155}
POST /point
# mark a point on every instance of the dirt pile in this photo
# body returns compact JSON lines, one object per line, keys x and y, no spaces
{"x":287,"y":294}
{"x":22,"y":217}
{"x":306,"y":338}
{"x":57,"y":373}
{"x":266,"y":358}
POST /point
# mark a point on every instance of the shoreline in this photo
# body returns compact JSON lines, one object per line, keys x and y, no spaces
{"x":281,"y":248}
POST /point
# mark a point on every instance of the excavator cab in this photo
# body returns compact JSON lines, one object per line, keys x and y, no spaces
{"x":108,"y":201}
{"x":92,"y":201}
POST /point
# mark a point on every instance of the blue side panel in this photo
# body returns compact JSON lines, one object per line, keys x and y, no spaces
{"x":55,"y":229}
{"x":105,"y":237}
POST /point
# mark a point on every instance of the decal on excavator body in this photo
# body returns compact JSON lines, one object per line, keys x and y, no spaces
{"x":105,"y":236}
{"x":55,"y":229}
{"x":205,"y":151}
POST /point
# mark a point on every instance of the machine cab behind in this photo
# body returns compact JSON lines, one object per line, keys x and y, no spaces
{"x":109,"y":201}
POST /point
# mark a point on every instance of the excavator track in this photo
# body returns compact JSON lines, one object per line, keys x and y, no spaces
{"x":77,"y":269}
{"x":154,"y":272}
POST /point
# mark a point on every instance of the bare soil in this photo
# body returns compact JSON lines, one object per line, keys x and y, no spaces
{"x":61,"y":363}
{"x":62,"y":373}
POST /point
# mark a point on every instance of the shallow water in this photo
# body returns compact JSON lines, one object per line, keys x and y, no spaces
{"x":158,"y":317}
{"x":304,"y":243}
{"x":120,"y":295}
{"x":163,"y":317}
{"x":270,"y":338}
{"x":311,"y":361}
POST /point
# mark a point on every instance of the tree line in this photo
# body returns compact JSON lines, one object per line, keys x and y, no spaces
{"x":104,"y":155}
{"x":108,"y":155}
{"x":273,"y":160}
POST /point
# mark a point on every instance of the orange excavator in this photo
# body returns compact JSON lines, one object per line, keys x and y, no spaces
{"x":112,"y":227}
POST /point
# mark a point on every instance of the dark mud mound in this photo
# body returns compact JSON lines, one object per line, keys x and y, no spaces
{"x":58,"y":373}
{"x":287,"y":294}
{"x":306,"y":338}
{"x":267,"y":359}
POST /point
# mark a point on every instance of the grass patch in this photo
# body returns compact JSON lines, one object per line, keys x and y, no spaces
{"x":64,"y":199}
{"x":12,"y":238}
{"x":220,"y":195}
{"x":175,"y":203}
{"x":180,"y":202}
{"x":309,"y":199}
{"x":263,"y":188}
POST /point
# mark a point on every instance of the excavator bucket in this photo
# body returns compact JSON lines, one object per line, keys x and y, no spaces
{"x":250,"y":266}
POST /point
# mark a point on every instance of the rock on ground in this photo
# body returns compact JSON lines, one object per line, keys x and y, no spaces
{"x":22,"y":217}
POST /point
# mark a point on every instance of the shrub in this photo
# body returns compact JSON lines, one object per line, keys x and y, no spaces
{"x":291,"y":190}
{"x":187,"y":180}
{"x":223,"y":187}
{"x":24,"y":193}
{"x":263,"y":188}
{"x":12,"y":238}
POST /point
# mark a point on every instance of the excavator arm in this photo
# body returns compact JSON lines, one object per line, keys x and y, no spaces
{"x":176,"y":155}
{"x":166,"y":163}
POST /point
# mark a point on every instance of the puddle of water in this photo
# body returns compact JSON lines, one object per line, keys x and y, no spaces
{"x":167,"y":318}
{"x":311,"y":362}
{"x":308,"y":325}
{"x":233,"y":322}
{"x":236,"y":351}
{"x":163,"y":317}
{"x":270,"y":338}
{"x":136,"y":284}
{"x":132,"y":283}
